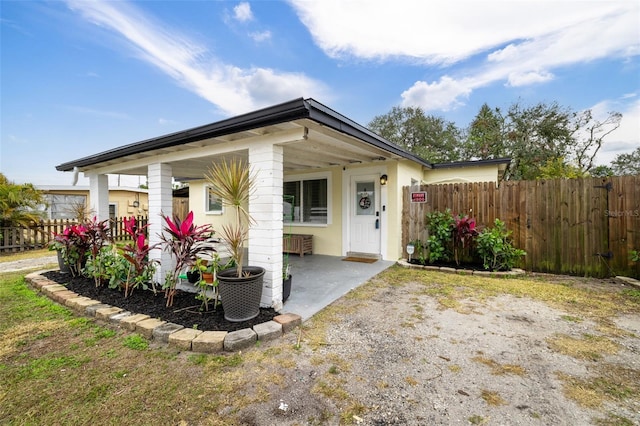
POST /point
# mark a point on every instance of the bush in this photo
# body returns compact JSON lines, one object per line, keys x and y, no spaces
{"x":495,"y":248}
{"x":440,"y":243}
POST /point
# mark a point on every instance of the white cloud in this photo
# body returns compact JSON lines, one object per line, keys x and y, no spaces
{"x":442,"y":31}
{"x":242,"y":12}
{"x":625,"y":138}
{"x":442,"y":95}
{"x":233,"y":90}
{"x":260,"y":36}
{"x":523,"y":41}
{"x":526,"y":78}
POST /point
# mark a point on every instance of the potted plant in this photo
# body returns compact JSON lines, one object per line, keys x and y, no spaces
{"x":72,"y":246}
{"x":286,"y":280}
{"x":240,"y":287}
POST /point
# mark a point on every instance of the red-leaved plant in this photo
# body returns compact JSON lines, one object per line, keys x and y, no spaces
{"x":72,"y":245}
{"x":464,"y":231}
{"x":184,"y":240}
{"x":96,"y":235}
{"x":141,"y":268}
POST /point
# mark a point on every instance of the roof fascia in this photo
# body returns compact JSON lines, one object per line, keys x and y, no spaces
{"x":457,"y":164}
{"x":288,"y":111}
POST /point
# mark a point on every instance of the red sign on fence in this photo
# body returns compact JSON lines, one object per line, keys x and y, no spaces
{"x":419,"y":197}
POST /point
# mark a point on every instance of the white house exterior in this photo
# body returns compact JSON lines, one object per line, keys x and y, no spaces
{"x":333,"y":166}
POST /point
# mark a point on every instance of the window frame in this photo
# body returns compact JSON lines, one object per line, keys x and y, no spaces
{"x":206,"y":203}
{"x":306,"y":177}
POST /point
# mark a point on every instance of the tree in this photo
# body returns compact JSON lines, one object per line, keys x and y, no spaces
{"x":429,"y":137}
{"x":19,"y":204}
{"x":627,"y":164}
{"x":544,"y":140}
{"x":589,"y":136}
{"x":534,"y":136}
{"x":558,"y":168}
{"x":601,"y":171}
{"x":485,"y":136}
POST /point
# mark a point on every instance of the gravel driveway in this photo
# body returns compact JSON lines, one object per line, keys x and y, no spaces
{"x":394,"y":355}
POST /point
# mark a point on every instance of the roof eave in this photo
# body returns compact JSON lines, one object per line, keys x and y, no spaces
{"x":498,"y":161}
{"x":288,"y":111}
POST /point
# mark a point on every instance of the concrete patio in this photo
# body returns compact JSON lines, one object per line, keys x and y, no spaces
{"x":319,"y":280}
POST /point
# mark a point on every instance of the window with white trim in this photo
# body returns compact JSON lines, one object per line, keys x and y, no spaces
{"x":310,"y":201}
{"x":212,"y":204}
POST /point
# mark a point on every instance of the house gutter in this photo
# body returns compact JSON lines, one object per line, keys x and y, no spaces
{"x":288,"y":111}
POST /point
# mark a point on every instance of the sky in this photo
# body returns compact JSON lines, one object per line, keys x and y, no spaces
{"x":81,"y":77}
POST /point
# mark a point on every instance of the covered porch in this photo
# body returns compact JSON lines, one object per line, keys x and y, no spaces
{"x":301,"y":139}
{"x":319,"y":280}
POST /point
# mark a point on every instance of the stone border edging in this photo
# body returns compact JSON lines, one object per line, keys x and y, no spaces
{"x":175,"y":335}
{"x":515,"y":272}
{"x":629,"y":281}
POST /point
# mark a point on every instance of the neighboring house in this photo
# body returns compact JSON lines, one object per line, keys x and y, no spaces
{"x":63,"y":201}
{"x":346,"y":181}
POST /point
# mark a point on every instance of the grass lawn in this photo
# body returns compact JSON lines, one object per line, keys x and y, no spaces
{"x":60,"y":368}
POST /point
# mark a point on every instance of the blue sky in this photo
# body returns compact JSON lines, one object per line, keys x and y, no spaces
{"x":80,"y":77}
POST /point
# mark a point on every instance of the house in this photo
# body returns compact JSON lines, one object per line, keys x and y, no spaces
{"x":63,"y":201}
{"x":343,"y":181}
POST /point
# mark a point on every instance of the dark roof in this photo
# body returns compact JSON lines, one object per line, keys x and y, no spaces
{"x":292,"y":110}
{"x":490,"y":161}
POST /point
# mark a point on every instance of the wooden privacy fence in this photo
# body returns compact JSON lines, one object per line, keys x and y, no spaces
{"x":16,"y":239}
{"x":582,"y":227}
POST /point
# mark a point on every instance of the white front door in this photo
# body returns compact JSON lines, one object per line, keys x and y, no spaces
{"x":364,"y":214}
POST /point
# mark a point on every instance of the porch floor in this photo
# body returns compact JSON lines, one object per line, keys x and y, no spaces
{"x":319,"y":280}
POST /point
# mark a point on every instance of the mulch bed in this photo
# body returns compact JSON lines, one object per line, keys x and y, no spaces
{"x":185,"y":310}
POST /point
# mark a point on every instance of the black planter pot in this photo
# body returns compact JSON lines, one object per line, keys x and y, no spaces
{"x":286,"y":288}
{"x":64,"y":268}
{"x":193,"y":277}
{"x":241,"y":296}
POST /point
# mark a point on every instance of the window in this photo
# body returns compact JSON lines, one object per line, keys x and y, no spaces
{"x":310,"y":201}
{"x":212,"y":204}
{"x":63,"y":206}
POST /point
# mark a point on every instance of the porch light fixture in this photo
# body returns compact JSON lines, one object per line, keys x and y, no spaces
{"x":383,"y":180}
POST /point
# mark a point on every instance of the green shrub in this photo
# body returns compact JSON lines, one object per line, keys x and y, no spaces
{"x":440,"y":243}
{"x":495,"y":248}
{"x":635,"y":255}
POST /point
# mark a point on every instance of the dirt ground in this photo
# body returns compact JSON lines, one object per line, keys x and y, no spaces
{"x":398,"y":357}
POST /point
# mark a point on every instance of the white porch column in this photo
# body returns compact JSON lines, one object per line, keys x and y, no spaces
{"x":265,"y":206}
{"x":160,"y":203}
{"x":99,"y":194}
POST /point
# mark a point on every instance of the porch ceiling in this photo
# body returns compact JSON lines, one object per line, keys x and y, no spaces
{"x":306,"y":145}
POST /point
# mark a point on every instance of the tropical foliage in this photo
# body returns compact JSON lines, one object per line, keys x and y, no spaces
{"x":455,"y":238}
{"x":496,"y":249}
{"x":141,"y":270}
{"x":184,"y":240}
{"x":234,"y":183}
{"x":20,"y":204}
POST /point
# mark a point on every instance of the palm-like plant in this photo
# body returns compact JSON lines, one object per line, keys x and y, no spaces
{"x":19,"y":203}
{"x":234,"y":183}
